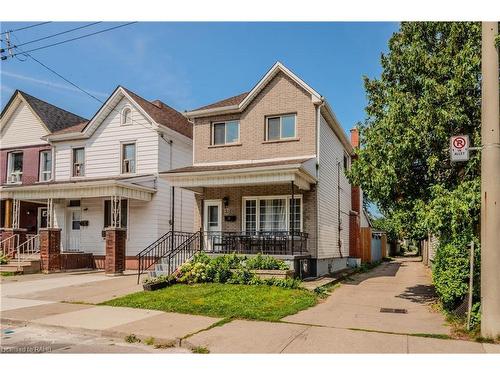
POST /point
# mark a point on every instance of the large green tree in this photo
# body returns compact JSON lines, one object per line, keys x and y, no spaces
{"x":429,"y":90}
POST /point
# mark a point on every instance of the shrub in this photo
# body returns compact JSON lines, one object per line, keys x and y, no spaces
{"x":265,"y":262}
{"x":3,"y":259}
{"x":158,"y":279}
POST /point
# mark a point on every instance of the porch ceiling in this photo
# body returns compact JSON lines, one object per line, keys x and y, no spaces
{"x":197,"y":178}
{"x":77,"y":190}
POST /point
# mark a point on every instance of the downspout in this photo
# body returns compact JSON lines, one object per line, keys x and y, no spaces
{"x":318,"y":127}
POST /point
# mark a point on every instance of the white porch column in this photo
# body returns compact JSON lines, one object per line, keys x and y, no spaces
{"x":116,"y":211}
{"x":15,"y":214}
{"x":50,"y":213}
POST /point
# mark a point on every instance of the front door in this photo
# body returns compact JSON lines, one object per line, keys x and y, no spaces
{"x":42,"y":218}
{"x":212,"y":223}
{"x":73,"y":232}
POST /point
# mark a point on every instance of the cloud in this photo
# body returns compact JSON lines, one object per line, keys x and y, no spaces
{"x":50,"y":83}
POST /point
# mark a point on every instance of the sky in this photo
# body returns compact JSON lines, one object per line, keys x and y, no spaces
{"x":188,"y":65}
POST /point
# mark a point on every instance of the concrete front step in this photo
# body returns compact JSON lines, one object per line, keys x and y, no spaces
{"x":25,"y":267}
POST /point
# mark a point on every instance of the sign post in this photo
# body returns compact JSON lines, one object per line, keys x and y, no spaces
{"x":459,"y":148}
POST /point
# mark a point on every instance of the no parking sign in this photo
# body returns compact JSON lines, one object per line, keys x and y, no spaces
{"x":459,"y":148}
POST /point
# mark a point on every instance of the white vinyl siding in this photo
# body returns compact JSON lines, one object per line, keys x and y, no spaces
{"x":28,"y":129}
{"x":331,"y":153}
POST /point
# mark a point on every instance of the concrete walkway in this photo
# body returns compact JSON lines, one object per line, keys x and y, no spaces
{"x":401,"y":284}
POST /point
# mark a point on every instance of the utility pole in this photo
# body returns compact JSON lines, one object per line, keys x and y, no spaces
{"x":490,"y":184}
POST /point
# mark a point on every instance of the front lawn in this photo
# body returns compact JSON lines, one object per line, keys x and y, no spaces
{"x":259,"y":302}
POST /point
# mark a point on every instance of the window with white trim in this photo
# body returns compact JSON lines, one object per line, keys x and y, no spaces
{"x":78,"y":162}
{"x":128,"y":157}
{"x":281,"y":127}
{"x":272,"y":214}
{"x":14,"y":167}
{"x":224,"y":133}
{"x":45,"y":165}
{"x":126,"y":116}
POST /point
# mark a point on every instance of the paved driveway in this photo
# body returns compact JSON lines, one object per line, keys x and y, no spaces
{"x":401,"y":284}
{"x":89,"y":287}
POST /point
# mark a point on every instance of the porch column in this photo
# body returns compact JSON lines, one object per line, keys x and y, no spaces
{"x":16,"y":213}
{"x":50,"y":213}
{"x":8,"y":214}
{"x":50,"y":249}
{"x":293,"y":216}
{"x":116,"y":237}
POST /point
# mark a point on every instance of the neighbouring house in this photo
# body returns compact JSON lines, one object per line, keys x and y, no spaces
{"x":269,"y":174}
{"x":104,"y":197}
{"x":27,"y":159}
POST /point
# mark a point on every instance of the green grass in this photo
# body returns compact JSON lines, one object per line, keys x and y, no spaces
{"x":256,"y":302}
{"x":7,"y":274}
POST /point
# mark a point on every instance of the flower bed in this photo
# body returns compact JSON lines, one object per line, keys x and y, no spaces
{"x":229,"y":269}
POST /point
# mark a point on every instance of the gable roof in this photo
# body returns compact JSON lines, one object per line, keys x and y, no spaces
{"x":163,"y":114}
{"x":237,"y":99}
{"x":156,"y":111}
{"x":239,"y":102}
{"x":53,"y":117}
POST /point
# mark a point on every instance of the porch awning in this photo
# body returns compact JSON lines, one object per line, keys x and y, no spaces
{"x":140,"y":188}
{"x":299,"y":171}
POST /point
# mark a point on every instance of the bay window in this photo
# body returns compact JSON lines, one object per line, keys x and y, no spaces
{"x":272,"y":214}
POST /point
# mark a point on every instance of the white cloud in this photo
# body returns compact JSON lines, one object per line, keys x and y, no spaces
{"x":50,"y":83}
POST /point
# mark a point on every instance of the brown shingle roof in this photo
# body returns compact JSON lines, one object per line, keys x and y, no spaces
{"x":75,"y":128}
{"x":227,"y":167}
{"x":233,"y":100}
{"x":164,"y":115}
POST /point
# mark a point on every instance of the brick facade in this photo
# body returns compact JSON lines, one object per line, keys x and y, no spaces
{"x":116,"y":239}
{"x":355,"y":214}
{"x":50,"y":249}
{"x":31,"y":163}
{"x":281,"y":96}
{"x":235,"y":206}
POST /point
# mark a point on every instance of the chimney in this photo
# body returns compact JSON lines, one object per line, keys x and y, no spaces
{"x":355,"y":213}
{"x":355,"y":137}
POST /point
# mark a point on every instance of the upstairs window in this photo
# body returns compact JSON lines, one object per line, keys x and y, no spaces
{"x":224,"y":133}
{"x":78,"y":162}
{"x":15,"y":167}
{"x":126,"y":116}
{"x":280,"y":127}
{"x":128,"y":158}
{"x":45,"y":165}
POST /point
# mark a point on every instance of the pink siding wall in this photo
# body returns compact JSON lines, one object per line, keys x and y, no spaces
{"x":31,"y":163}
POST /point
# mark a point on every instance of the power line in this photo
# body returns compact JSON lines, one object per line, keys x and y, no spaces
{"x":26,"y":27}
{"x":112,"y":109}
{"x":57,"y":34}
{"x":77,"y":38}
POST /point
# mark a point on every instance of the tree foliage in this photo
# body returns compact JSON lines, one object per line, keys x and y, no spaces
{"x":429,"y":90}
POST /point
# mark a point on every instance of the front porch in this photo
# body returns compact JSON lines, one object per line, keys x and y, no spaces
{"x":79,"y":222}
{"x":266,"y":208}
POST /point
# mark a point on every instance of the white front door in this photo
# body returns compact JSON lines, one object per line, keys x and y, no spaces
{"x":73,"y":232}
{"x":212,"y":222}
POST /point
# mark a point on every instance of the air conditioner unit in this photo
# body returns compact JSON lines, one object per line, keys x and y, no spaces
{"x":78,"y":169}
{"x":15,"y":177}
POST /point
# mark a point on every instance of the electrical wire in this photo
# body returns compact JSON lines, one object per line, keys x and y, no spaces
{"x":77,"y":38}
{"x":57,"y":34}
{"x":26,"y":27}
{"x":112,"y":109}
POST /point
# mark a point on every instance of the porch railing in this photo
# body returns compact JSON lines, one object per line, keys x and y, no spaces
{"x":8,"y":246}
{"x":265,"y":242}
{"x":28,"y":250}
{"x":159,"y":249}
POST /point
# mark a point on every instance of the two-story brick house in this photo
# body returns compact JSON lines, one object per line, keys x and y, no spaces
{"x":105,"y":176}
{"x":26,"y":158}
{"x":269,"y":174}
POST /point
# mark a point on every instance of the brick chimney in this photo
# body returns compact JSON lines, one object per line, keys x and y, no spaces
{"x":355,"y":214}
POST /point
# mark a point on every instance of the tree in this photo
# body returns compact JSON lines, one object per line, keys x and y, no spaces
{"x":429,"y":90}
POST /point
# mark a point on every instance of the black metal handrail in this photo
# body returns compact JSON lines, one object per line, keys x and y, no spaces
{"x":158,"y":249}
{"x":183,"y":252}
